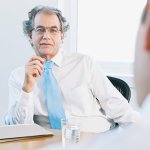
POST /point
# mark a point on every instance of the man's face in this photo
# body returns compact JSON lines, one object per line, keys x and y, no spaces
{"x":46,"y":37}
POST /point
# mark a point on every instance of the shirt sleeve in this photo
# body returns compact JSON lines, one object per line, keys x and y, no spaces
{"x":114,"y":105}
{"x":21,"y":107}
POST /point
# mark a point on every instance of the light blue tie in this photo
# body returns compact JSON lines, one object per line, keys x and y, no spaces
{"x":54,"y":101}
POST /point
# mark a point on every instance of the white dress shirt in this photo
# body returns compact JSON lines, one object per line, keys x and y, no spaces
{"x":88,"y":96}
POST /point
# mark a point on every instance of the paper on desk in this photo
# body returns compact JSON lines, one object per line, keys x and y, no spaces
{"x":21,"y":131}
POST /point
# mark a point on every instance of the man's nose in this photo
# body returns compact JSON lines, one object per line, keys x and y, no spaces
{"x":46,"y":35}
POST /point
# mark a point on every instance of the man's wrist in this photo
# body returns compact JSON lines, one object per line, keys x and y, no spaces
{"x":27,"y":88}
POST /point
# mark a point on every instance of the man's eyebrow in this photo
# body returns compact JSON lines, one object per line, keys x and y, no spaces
{"x":54,"y":27}
{"x":39,"y":26}
{"x":46,"y":27}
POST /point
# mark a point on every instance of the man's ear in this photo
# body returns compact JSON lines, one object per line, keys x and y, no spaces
{"x":147,"y":39}
{"x":30,"y":35}
{"x":147,"y":27}
{"x":30,"y":39}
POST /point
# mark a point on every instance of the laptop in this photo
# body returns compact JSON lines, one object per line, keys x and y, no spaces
{"x":21,"y":131}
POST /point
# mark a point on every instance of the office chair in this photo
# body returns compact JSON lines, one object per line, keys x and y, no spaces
{"x":121,"y":86}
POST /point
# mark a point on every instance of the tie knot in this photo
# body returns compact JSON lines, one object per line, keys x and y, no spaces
{"x":48,"y":65}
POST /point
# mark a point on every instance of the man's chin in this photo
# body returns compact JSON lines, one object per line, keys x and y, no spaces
{"x":47,"y":56}
{"x":45,"y":52}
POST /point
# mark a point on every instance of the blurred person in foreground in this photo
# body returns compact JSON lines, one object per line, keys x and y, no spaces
{"x":142,"y":62}
{"x":86,"y":93}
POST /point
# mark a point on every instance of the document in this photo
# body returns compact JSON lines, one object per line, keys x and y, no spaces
{"x":21,"y":131}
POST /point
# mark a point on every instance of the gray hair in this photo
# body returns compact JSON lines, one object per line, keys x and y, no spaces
{"x":28,"y":24}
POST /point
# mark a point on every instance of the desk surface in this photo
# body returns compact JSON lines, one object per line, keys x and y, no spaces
{"x":37,"y":143}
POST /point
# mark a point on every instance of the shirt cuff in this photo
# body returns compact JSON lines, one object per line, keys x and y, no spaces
{"x":26,"y":99}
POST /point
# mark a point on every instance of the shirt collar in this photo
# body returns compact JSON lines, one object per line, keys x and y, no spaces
{"x":57,"y":59}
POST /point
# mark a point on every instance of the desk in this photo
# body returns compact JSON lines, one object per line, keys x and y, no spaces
{"x":38,"y":143}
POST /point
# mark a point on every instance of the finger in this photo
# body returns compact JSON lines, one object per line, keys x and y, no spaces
{"x":38,"y":68}
{"x":33,"y":69}
{"x":42,"y":60}
{"x":36,"y":63}
{"x":35,"y":72}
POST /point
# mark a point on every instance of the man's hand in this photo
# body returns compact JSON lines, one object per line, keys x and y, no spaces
{"x":33,"y":69}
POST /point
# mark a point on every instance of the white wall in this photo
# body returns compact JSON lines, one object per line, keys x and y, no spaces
{"x":14,"y":46}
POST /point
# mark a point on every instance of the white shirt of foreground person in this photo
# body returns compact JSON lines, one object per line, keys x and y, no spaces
{"x":134,"y":137}
{"x":145,"y":108}
{"x":86,"y":91}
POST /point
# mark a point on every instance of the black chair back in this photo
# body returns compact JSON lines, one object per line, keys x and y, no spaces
{"x":121,"y":86}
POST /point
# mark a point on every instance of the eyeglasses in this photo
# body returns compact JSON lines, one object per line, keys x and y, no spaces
{"x":52,"y":30}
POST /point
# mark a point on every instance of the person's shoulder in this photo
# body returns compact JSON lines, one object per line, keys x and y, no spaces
{"x":19,"y":71}
{"x":17,"y":75}
{"x":76,"y":56}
